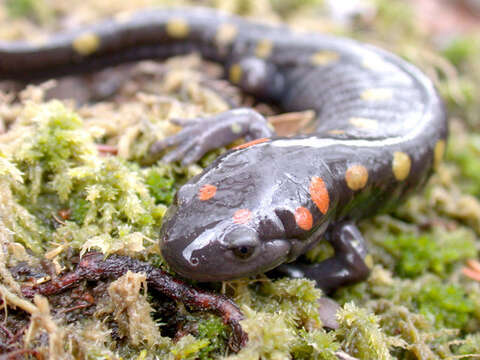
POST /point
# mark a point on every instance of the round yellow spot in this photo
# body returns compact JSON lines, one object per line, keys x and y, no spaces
{"x":364,"y":123}
{"x":86,"y":43}
{"x":225,"y":35}
{"x":438,"y":153}
{"x":235,"y":73}
{"x":356,"y":177}
{"x":177,"y":28}
{"x":324,"y":57}
{"x":378,"y":94}
{"x":401,"y":165}
{"x":264,"y":48}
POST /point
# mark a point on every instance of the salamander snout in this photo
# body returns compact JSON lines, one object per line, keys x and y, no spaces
{"x":220,"y":252}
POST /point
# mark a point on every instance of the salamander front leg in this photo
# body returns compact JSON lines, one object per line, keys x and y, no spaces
{"x":347,"y":266}
{"x":200,"y":135}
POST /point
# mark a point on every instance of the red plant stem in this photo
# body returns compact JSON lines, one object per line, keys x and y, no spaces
{"x":94,"y":266}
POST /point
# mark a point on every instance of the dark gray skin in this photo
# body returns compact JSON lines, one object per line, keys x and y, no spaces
{"x":380,"y":127}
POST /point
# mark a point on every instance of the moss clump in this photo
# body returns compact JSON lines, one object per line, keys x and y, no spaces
{"x":161,"y":184}
{"x":446,"y":305}
{"x":54,"y":142}
{"x":214,"y":331}
{"x":108,"y":201}
{"x":361,"y":334}
{"x":436,"y":252}
{"x":296,"y":298}
{"x":271,"y":335}
{"x":469,"y":348}
{"x":316,"y":344}
{"x":462,"y":49}
{"x":465,"y":153}
{"x":38,"y":10}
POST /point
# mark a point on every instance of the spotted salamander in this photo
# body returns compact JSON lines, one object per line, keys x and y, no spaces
{"x":380,"y":129}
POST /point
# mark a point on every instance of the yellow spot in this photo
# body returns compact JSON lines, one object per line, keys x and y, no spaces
{"x":86,"y":43}
{"x":177,"y":28}
{"x":401,"y":165}
{"x":356,"y":177}
{"x":236,"y":128}
{"x":438,"y":153}
{"x":368,"y":261}
{"x":264,"y":48}
{"x":324,"y":57}
{"x":364,"y":123}
{"x":235,"y":74}
{"x":226,"y":33}
{"x":336,"y":132}
{"x":377,"y":94}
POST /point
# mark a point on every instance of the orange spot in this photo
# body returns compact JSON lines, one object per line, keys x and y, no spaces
{"x":304,"y":218}
{"x":251,"y":143}
{"x":319,"y":194}
{"x":207,"y":191}
{"x":242,"y":216}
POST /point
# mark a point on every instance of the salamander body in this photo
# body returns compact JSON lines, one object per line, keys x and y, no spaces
{"x":380,"y":129}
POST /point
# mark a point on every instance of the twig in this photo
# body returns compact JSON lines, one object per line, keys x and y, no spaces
{"x":93,"y":266}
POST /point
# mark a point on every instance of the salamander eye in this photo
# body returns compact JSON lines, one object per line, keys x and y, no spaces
{"x":244,"y":251}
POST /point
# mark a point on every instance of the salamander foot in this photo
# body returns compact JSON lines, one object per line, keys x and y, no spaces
{"x":201,"y":135}
{"x":347,"y":266}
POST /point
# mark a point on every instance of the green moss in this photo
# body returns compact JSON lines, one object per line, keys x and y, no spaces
{"x":462,"y":49}
{"x":361,"y":334}
{"x":465,"y":152}
{"x":296,"y":298}
{"x":271,"y":335}
{"x":213,"y":330}
{"x":35,"y":9}
{"x":435,"y":252}
{"x":446,"y":305}
{"x":110,"y":203}
{"x":54,"y":142}
{"x":469,"y":346}
{"x":316,"y":344}
{"x":160,"y":181}
{"x":188,"y":347}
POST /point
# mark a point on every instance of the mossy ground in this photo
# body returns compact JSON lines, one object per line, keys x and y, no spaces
{"x":61,"y":196}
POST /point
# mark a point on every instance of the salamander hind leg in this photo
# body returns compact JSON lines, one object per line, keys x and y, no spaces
{"x":201,"y":135}
{"x":347,"y":266}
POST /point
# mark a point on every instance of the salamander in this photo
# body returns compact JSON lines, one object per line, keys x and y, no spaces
{"x":380,"y":130}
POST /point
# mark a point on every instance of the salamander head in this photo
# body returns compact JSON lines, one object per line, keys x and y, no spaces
{"x":211,"y":231}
